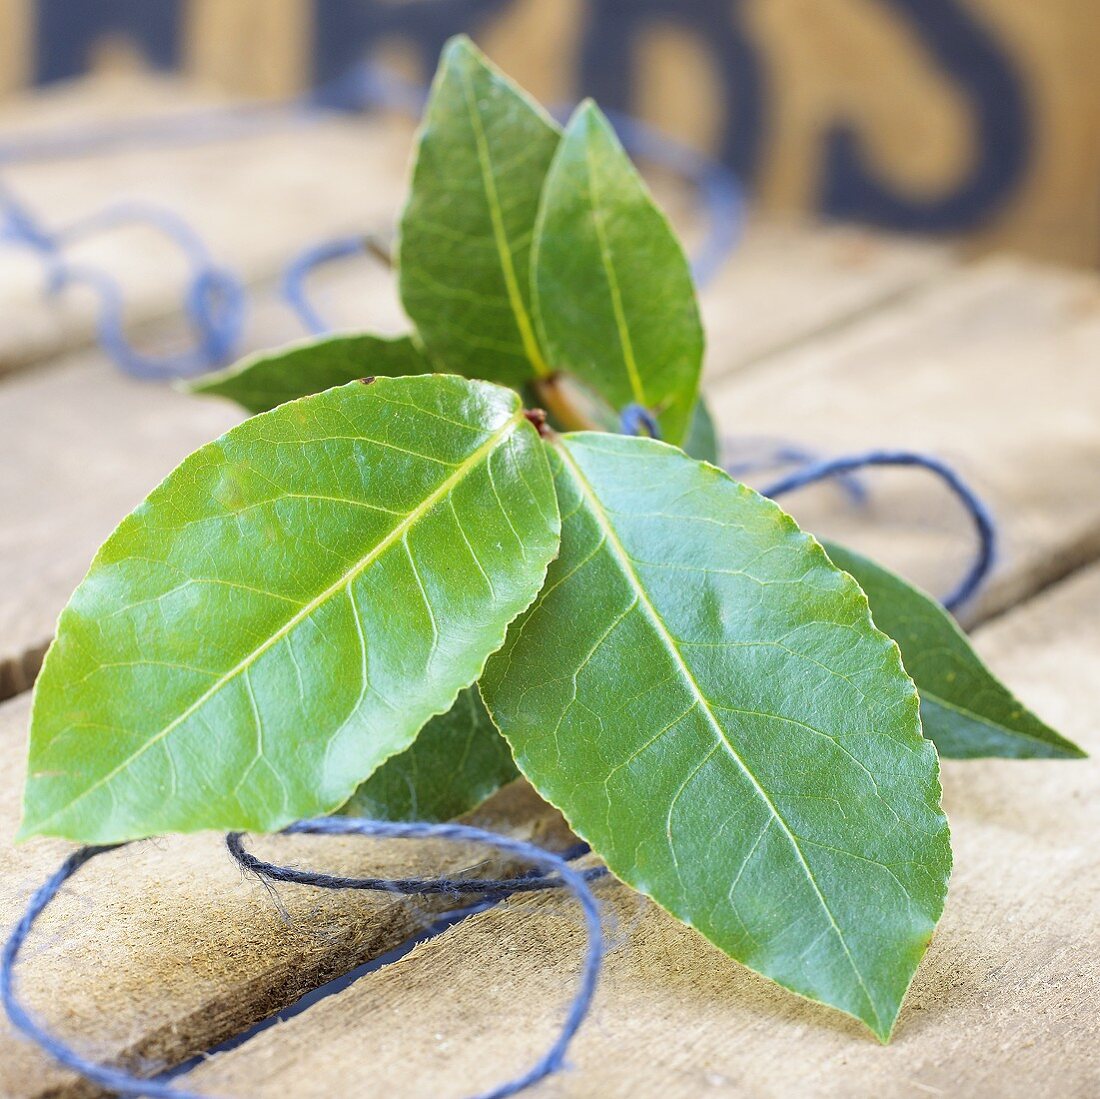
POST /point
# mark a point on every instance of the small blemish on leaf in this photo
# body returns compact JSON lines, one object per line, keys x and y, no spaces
{"x":537,"y":418}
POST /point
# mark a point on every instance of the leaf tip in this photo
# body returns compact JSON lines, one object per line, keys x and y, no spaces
{"x":29,"y":827}
{"x":192,"y":385}
{"x":884,"y":1034}
{"x":588,"y":116}
{"x":1069,"y":750}
{"x":458,"y":45}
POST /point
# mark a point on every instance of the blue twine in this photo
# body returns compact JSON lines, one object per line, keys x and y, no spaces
{"x":302,"y":266}
{"x":484,"y":888}
{"x":214,"y":300}
{"x":779,"y":454}
{"x":634,"y":418}
{"x":552,"y":1061}
{"x":979,"y":513}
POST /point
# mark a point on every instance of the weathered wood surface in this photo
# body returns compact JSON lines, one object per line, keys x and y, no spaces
{"x":183,"y":953}
{"x":787,"y":282}
{"x":157,"y":951}
{"x":256,"y":189}
{"x":932,"y":93}
{"x":1003,"y":1006}
{"x":86,"y":443}
{"x":994,"y":370}
{"x":235,"y":978}
{"x":260,"y":189}
{"x":82,"y":445}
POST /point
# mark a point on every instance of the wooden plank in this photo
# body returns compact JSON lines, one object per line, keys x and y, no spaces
{"x":1045,"y":297}
{"x":1036,"y":326}
{"x":158,"y":951}
{"x":257,"y":191}
{"x":15,"y":36}
{"x":83,"y":445}
{"x":1003,"y":1006}
{"x":90,"y":443}
{"x":788,"y":282}
{"x":260,"y":194}
{"x":977,"y":118}
{"x":994,"y":370}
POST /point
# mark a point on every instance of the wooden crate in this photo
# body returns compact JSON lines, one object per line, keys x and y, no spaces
{"x":833,"y":339}
{"x":974,"y":118}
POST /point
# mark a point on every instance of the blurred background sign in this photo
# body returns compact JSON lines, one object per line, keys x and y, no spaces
{"x":975,"y":119}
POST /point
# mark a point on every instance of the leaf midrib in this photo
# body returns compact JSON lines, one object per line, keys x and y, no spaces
{"x":626,"y":566}
{"x":626,"y":344}
{"x":978,"y":719}
{"x":444,"y":489}
{"x":500,"y":236}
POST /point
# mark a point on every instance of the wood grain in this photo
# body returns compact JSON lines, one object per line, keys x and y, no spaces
{"x":82,"y":447}
{"x":1003,"y":1006}
{"x":790,"y":281}
{"x":159,"y":950}
{"x":992,"y":369}
{"x":256,"y":188}
{"x":1011,"y":317}
{"x":87,"y":443}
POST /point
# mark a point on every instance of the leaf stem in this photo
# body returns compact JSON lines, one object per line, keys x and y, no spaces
{"x":557,"y":401}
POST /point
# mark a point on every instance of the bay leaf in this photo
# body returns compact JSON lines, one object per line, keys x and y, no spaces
{"x":267,"y":379}
{"x":701,"y":441}
{"x":966,"y":711}
{"x":704,"y":696}
{"x":465,"y":233}
{"x":614,"y":297}
{"x":288,"y":609}
{"x":457,"y":760}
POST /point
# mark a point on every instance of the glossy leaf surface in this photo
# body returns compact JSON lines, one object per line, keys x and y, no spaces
{"x":268,"y":379}
{"x":288,"y":609}
{"x":965,"y":709}
{"x":614,"y":297}
{"x":464,"y":256}
{"x":701,"y":441}
{"x":455,"y":763}
{"x":703,"y":694}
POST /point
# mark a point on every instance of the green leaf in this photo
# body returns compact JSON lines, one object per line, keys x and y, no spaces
{"x":465,"y":235}
{"x":965,"y":709}
{"x":288,"y":609}
{"x":703,"y":694}
{"x":702,"y":437}
{"x":268,"y":379}
{"x":614,"y":297}
{"x":456,"y":762}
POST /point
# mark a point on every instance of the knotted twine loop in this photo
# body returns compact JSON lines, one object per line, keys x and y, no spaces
{"x":305,"y":263}
{"x":563,"y":876}
{"x":214,"y":302}
{"x":483,"y":888}
{"x":979,"y":513}
{"x":634,"y":418}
